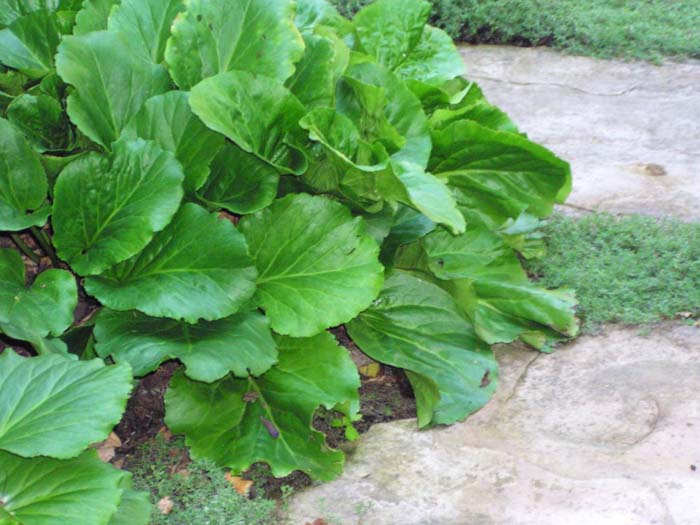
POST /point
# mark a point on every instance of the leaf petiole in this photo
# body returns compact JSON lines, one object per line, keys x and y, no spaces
{"x":45,"y":243}
{"x":26,"y":250}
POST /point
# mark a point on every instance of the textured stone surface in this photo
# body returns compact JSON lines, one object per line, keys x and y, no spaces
{"x":602,"y":432}
{"x":630,"y":130}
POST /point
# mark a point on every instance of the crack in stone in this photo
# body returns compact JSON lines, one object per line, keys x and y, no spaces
{"x":521,"y":377}
{"x":654,"y":422}
{"x":554,"y":84}
{"x":668,"y":518}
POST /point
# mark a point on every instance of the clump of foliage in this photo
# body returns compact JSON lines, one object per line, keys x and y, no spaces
{"x":638,"y":29}
{"x":625,"y":270}
{"x":198,"y":490}
{"x":228,"y":179}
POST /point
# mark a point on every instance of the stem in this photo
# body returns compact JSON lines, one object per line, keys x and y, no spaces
{"x":45,"y":243}
{"x":26,"y":250}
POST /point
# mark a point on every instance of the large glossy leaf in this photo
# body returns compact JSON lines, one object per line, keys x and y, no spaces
{"x":23,"y":184}
{"x":472,"y":106}
{"x":56,"y":406}
{"x":197,"y":267}
{"x":498,"y":175}
{"x":146,"y":23}
{"x":239,"y":182}
{"x":29,"y":43}
{"x":45,"y":491}
{"x":318,"y":267}
{"x":93,"y":16}
{"x":478,"y":253}
{"x":213,"y":36}
{"x":107,"y":208}
{"x":237,"y":422}
{"x":313,"y":82}
{"x":256,"y":112}
{"x":384,"y":109}
{"x":394,"y":32}
{"x":313,"y":14}
{"x":45,"y":308}
{"x":111,"y":81}
{"x":168,"y":120}
{"x":381,"y":106}
{"x":505,"y":311}
{"x":417,"y":326}
{"x":42,"y":120}
{"x":411,"y":185}
{"x":241,"y":343}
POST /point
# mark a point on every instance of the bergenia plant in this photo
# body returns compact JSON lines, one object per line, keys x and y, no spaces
{"x":226,"y":180}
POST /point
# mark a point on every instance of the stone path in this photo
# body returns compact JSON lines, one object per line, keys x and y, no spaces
{"x":606,"y":431}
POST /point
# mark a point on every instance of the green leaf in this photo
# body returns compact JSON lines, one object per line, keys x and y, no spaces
{"x":146,"y":24}
{"x":37,"y":311}
{"x":197,"y":267}
{"x":237,"y":422}
{"x":505,"y":311}
{"x":23,"y":184}
{"x":318,"y":267}
{"x":111,"y":81}
{"x":213,"y":36}
{"x":239,"y":182}
{"x":93,"y":16}
{"x":29,"y":43}
{"x":314,"y":14}
{"x":134,"y":507}
{"x":241,"y":343}
{"x":42,"y":120}
{"x":45,"y":491}
{"x":56,"y":406}
{"x":417,"y":326}
{"x":409,"y":184}
{"x":257,"y":113}
{"x":427,"y":396}
{"x":107,"y":208}
{"x":313,"y":82}
{"x":473,"y":106}
{"x":168,"y":120}
{"x":394,"y":32}
{"x":497,"y":175}
{"x":476,"y":254}
{"x":341,"y":138}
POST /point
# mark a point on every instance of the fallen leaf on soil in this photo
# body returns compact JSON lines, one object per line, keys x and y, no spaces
{"x":684,"y":315}
{"x":370,"y":370}
{"x":241,"y":485}
{"x":165,"y":505}
{"x":165,"y":433}
{"x":319,"y":521}
{"x":105,"y":449}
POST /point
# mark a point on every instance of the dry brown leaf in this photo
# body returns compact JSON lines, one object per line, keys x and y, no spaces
{"x":241,"y":485}
{"x":318,"y":521}
{"x":165,"y":433}
{"x":105,"y":449}
{"x":165,"y":505}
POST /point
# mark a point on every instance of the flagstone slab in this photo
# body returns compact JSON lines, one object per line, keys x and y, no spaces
{"x":604,"y":431}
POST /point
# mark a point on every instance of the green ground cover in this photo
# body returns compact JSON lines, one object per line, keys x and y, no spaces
{"x":624,"y":270}
{"x":198,"y":490}
{"x":633,"y":29}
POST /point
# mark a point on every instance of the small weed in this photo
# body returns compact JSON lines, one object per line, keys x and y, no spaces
{"x":199,"y":490}
{"x":625,"y":270}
